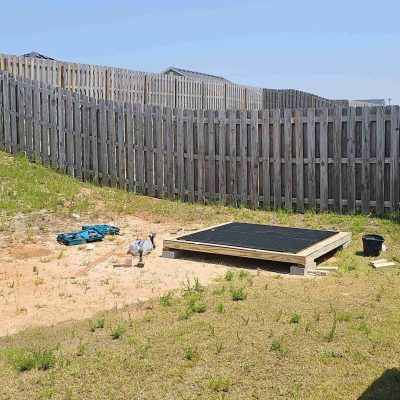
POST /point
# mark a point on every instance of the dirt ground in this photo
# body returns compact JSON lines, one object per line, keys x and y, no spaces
{"x":37,"y":283}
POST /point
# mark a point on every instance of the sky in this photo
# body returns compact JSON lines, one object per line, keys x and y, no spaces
{"x":339,"y":49}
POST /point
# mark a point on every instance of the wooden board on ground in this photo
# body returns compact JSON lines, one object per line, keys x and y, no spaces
{"x":305,"y":257}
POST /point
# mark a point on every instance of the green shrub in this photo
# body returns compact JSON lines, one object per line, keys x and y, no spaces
{"x":220,"y":308}
{"x":21,"y":360}
{"x":24,"y":360}
{"x":219,"y":384}
{"x":343,"y":316}
{"x":198,"y":308}
{"x":277,"y":346}
{"x":238,"y":295}
{"x":117,"y":332}
{"x":166,"y":299}
{"x":295,"y":318}
{"x":44,"y":359}
{"x":229,"y":276}
{"x":190,"y":353}
{"x":218,"y":291}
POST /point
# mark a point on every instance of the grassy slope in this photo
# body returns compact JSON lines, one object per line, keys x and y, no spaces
{"x":250,"y":350}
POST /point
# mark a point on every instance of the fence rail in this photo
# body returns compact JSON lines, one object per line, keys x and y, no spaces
{"x":156,"y":89}
{"x":342,"y":159}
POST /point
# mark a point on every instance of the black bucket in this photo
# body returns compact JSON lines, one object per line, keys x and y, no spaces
{"x":372,"y":245}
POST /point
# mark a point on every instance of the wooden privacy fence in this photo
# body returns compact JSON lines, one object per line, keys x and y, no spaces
{"x":344,"y":159}
{"x":156,"y":89}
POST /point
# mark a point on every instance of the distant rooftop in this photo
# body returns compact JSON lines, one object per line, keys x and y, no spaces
{"x":192,"y":74}
{"x":375,"y":102}
{"x":34,"y":54}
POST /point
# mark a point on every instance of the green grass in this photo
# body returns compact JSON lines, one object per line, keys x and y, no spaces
{"x":347,"y":337}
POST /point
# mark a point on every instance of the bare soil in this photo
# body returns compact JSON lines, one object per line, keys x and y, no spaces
{"x":37,"y":287}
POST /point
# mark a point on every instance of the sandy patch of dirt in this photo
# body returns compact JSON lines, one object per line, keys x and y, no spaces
{"x":24,"y":252}
{"x":36,"y":287}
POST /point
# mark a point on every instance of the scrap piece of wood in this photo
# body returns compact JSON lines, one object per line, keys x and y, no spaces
{"x":327,"y":268}
{"x":382,"y":260}
{"x":98,"y":260}
{"x":384,"y":265}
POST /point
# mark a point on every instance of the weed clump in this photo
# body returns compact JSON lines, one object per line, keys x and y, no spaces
{"x":166,"y":299}
{"x":229,"y":276}
{"x":238,"y":295}
{"x":219,"y":384}
{"x":98,"y":324}
{"x":24,"y":360}
{"x":117,"y":332}
{"x":220,"y":308}
{"x":295,"y":318}
{"x":218,"y":291}
{"x":277,"y":346}
{"x":191,"y":353}
{"x":343,"y":316}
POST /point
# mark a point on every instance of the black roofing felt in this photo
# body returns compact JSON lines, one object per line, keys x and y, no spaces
{"x":261,"y":237}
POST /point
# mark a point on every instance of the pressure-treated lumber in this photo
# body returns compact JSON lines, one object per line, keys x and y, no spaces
{"x":304,"y":257}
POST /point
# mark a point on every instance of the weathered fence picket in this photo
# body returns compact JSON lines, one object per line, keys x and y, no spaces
{"x":115,"y":84}
{"x":342,"y":159}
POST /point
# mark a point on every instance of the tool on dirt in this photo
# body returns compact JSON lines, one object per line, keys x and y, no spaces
{"x":103,"y":229}
{"x":142,"y":247}
{"x":81,"y":237}
{"x":88,"y":234}
{"x":140,"y":263}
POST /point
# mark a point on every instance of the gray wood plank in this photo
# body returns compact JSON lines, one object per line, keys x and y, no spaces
{"x":222,"y":156}
{"x":323,"y":156}
{"x":380,"y":160}
{"x":61,"y":130}
{"x":86,"y":137}
{"x":53,"y":128}
{"x":45,"y":124}
{"x":201,"y":156}
{"x":351,"y":161}
{"x":211,"y":156}
{"x":366,"y":154}
{"x":298,"y":132}
{"x":190,"y":154}
{"x":287,"y":133}
{"x":36,"y":122}
{"x":148,"y":126}
{"x":394,"y":158}
{"x":112,"y":161}
{"x":103,"y":155}
{"x":170,"y":154}
{"x":276,"y":144}
{"x":232,"y":158}
{"x":121,"y":144}
{"x":179,"y":158}
{"x":265,"y":143}
{"x":337,"y":160}
{"x":69,"y":133}
{"x":78,"y":135}
{"x":94,"y":139}
{"x":254,"y":154}
{"x":130,"y":147}
{"x":243,"y":158}
{"x":311,"y":158}
{"x":13,"y":116}
{"x":1,"y":109}
{"x":21,"y":134}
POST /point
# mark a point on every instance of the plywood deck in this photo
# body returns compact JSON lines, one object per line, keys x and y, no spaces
{"x":304,"y":256}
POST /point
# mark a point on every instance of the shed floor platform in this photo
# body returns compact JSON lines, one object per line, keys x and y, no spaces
{"x":267,"y":242}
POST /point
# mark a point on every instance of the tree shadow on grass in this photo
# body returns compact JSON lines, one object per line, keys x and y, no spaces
{"x":386,"y":387}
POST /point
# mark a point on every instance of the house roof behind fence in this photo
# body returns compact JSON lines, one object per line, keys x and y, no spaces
{"x":34,"y":54}
{"x":192,"y":74}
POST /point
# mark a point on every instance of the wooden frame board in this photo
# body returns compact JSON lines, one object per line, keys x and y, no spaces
{"x":305,"y":257}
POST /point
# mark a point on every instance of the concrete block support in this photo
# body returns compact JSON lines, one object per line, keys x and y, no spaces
{"x":172,"y":254}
